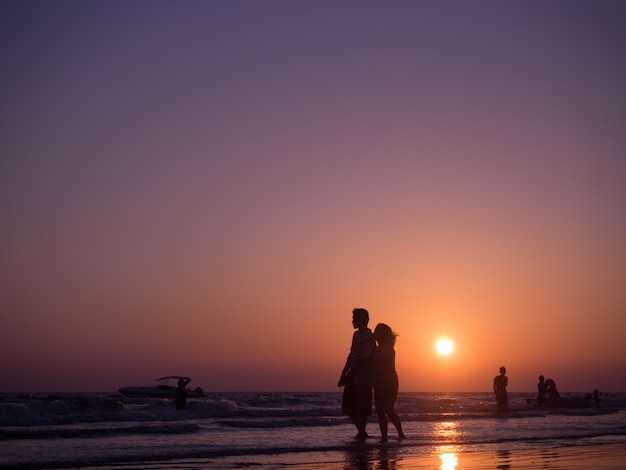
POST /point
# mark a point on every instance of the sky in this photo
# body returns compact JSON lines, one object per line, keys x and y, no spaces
{"x":208,"y":188}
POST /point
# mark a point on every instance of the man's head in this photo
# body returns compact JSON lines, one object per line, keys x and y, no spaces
{"x":360,"y":318}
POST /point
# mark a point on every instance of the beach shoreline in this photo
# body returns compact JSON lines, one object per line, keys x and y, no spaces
{"x":281,"y":430}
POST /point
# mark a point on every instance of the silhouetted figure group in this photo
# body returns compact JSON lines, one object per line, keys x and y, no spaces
{"x":546,"y":391}
{"x":370,"y":364}
{"x":548,"y":395}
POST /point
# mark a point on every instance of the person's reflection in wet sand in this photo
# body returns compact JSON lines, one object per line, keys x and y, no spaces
{"x":550,"y":459}
{"x":358,"y":457}
{"x":387,"y":457}
{"x":504,"y":459}
{"x":362,"y":456}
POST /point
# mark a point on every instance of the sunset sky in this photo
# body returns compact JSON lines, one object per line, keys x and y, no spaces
{"x":208,"y":188}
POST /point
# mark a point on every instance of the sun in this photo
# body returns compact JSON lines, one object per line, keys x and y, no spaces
{"x":444,"y":346}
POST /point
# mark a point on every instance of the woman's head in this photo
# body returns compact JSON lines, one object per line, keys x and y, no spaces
{"x":384,"y":335}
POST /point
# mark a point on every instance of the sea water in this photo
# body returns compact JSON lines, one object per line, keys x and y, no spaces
{"x":230,"y":430}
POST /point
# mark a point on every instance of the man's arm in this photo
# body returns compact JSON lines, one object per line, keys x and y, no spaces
{"x":344,"y":372}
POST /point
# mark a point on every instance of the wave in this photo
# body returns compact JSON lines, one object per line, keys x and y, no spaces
{"x":260,"y":410}
{"x":44,"y":409}
{"x":43,"y":432}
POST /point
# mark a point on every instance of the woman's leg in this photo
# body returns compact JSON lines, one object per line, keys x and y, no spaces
{"x":393,"y":416}
{"x":379,"y":404}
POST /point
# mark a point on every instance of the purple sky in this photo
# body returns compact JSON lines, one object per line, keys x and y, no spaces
{"x":208,"y":188}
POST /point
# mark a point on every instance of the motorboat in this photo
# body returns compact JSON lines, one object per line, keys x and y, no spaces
{"x":570,"y":402}
{"x":555,"y":400}
{"x":164,"y":388}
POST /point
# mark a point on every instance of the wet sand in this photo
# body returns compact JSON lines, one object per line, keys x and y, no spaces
{"x":600,"y":457}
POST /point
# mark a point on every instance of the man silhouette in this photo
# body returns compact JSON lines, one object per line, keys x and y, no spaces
{"x":356,"y":377}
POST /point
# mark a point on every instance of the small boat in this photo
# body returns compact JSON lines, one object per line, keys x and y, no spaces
{"x":165,"y":388}
{"x":555,"y":400}
{"x":570,"y":402}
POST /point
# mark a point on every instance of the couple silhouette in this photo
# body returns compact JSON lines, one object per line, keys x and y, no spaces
{"x":370,"y":364}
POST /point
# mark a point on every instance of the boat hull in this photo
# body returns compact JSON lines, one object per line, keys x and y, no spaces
{"x":157,"y":392}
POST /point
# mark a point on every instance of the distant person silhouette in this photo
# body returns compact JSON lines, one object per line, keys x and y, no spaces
{"x":181,"y":394}
{"x":542,"y":391}
{"x":385,"y":379}
{"x":551,"y":389}
{"x":356,"y":377}
{"x":596,"y":397}
{"x":499,"y":387}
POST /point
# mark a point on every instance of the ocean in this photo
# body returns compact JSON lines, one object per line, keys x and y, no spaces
{"x":250,"y":430}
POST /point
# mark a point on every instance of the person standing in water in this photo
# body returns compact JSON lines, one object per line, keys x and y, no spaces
{"x":542,"y":391}
{"x":499,"y":387}
{"x":181,"y":394}
{"x":356,"y":377}
{"x":385,"y":379}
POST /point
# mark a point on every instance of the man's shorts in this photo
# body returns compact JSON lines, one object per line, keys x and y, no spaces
{"x":357,"y":400}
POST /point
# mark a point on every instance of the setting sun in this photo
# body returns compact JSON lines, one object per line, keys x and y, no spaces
{"x":444,"y":346}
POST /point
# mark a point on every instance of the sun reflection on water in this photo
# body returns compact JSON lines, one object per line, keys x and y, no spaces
{"x":448,"y":432}
{"x":448,"y":461}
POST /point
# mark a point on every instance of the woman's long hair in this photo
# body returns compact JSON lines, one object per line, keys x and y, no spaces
{"x":384,"y":334}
